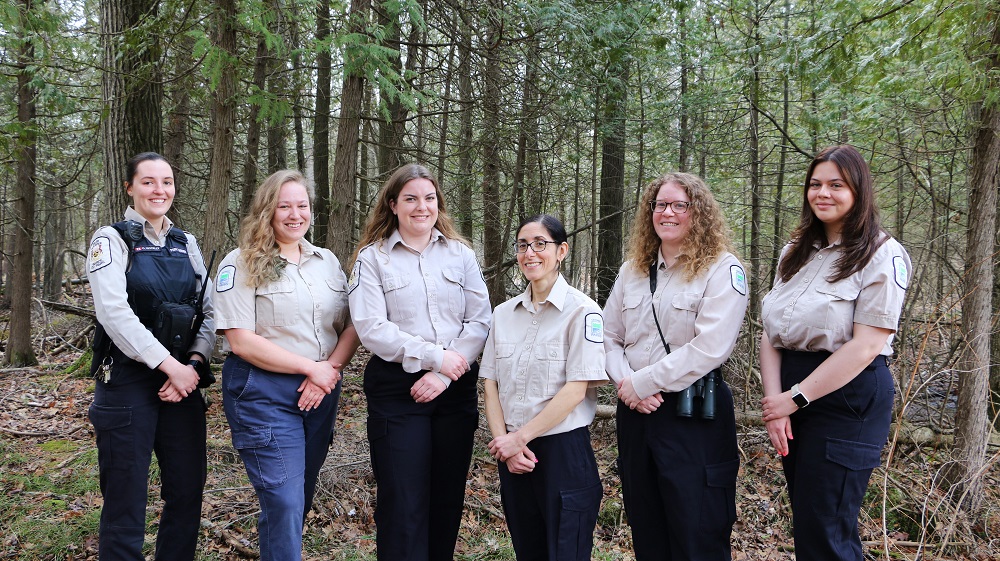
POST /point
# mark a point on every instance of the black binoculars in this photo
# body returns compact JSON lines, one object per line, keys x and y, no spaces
{"x":704,"y":390}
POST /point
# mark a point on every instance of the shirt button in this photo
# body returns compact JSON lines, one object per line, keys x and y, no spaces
{"x":647,"y":347}
{"x":552,"y":353}
{"x":534,"y":322}
{"x":820,"y":258}
{"x":520,"y":398}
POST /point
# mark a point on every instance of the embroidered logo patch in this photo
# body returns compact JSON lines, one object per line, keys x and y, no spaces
{"x":902,"y":275}
{"x":100,"y":253}
{"x":739,"y":279}
{"x":227,"y":278}
{"x":594,"y":331}
{"x":355,"y":277}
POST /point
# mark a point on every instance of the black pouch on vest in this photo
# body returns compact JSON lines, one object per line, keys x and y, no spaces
{"x":173,"y":326}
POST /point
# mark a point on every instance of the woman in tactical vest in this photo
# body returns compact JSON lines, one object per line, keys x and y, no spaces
{"x":671,"y":320}
{"x":147,"y":278}
{"x":281,"y":303}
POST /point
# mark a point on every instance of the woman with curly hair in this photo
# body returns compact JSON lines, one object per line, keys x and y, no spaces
{"x":282,"y":307}
{"x":419,"y":302}
{"x":671,"y":320}
{"x":829,"y":323}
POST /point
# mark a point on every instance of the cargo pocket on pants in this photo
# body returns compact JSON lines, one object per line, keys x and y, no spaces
{"x":857,"y":459}
{"x":115,"y":438}
{"x":577,"y":521}
{"x":720,"y":480}
{"x":261,"y":456}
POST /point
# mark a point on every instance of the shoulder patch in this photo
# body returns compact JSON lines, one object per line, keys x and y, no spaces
{"x":100,"y":253}
{"x":227,"y":278}
{"x":355,"y":279}
{"x":738,"y":278}
{"x":594,"y":328}
{"x":900,"y":272}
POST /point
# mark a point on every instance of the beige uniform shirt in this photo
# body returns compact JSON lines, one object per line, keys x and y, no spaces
{"x":810,"y":313}
{"x":409,"y":306}
{"x":533,"y":352}
{"x":106,"y":262}
{"x":701,"y":320}
{"x":303,"y":311}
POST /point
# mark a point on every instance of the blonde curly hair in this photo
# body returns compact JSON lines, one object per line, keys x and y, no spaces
{"x":707,"y":239}
{"x":259,"y":250}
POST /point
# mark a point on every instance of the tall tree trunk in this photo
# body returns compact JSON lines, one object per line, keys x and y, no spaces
{"x":19,"y":351}
{"x":971,"y":422}
{"x":465,"y":134}
{"x":223,"y":125}
{"x":754,"y":155}
{"x":493,"y":252}
{"x":392,"y":112}
{"x":609,"y":252}
{"x":251,"y":163}
{"x":340,"y":237}
{"x":684,"y":133}
{"x":53,"y":259}
{"x":321,"y":126}
{"x":176,"y":133}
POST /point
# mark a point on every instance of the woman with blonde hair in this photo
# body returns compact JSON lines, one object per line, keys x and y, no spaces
{"x":282,"y":307}
{"x":419,"y":303}
{"x":671,"y":320}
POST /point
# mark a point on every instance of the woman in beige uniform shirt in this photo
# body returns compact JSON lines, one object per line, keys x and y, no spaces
{"x":543,"y":361}
{"x":419,"y":302}
{"x":828,"y":330}
{"x":672,"y":319}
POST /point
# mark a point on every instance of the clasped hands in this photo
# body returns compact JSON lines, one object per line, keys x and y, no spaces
{"x":429,"y":386}
{"x":510,"y":449}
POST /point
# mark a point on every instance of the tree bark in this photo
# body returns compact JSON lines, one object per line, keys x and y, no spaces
{"x":223,"y":129}
{"x":321,"y":127}
{"x":19,"y":351}
{"x":971,"y":421}
{"x":392,"y":112}
{"x":340,"y":237}
{"x":492,"y":216}
{"x":609,"y":251}
{"x":465,"y":134}
{"x":251,"y":167}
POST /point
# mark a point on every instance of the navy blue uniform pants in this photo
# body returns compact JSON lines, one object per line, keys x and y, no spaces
{"x":131,"y":424}
{"x":679,"y":480}
{"x":420,"y":455}
{"x":552,"y":511}
{"x":837,"y":442}
{"x":282,"y":447}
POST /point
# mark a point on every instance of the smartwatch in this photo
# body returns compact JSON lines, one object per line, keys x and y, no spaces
{"x":798,"y":398}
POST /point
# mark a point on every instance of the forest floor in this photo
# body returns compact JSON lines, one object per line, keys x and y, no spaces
{"x":50,"y":501}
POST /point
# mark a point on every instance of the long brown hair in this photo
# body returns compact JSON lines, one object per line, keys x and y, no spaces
{"x":382,"y":222}
{"x":862,"y":232}
{"x":259,"y":250}
{"x":707,"y":239}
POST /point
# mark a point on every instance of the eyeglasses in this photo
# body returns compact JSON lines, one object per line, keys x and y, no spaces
{"x":537,"y":246}
{"x":679,"y":207}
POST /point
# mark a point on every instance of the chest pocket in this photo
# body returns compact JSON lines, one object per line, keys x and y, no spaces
{"x":681,"y":315}
{"x":634,"y":316}
{"x":455,"y":287}
{"x":399,"y":301}
{"x":834,"y":310}
{"x":551,"y":358}
{"x":277,"y":304}
{"x":338,"y":307}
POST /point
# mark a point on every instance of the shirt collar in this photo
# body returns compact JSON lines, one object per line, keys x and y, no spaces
{"x":147,"y":228}
{"x":397,"y":238}
{"x":556,"y":297}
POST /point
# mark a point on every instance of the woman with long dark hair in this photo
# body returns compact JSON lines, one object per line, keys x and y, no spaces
{"x":829,"y":323}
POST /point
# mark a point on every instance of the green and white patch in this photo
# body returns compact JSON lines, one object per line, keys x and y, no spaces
{"x":355,"y":277}
{"x":227,"y":278}
{"x":738,"y":278}
{"x":594,"y":328}
{"x":900,"y":272}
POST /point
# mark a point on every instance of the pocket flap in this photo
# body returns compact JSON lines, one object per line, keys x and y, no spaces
{"x":582,"y":500}
{"x":456,"y":276}
{"x":504,"y":350}
{"x":256,"y":437}
{"x":853,"y":455}
{"x":394,"y":282}
{"x":685,"y":301}
{"x":840,"y":291}
{"x":336,"y":284}
{"x":550,"y":351}
{"x":631,"y":300}
{"x":110,"y":418}
{"x":277,"y":287}
{"x":723,"y":474}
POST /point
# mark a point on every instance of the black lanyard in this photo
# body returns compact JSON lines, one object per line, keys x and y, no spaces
{"x":652,"y":302}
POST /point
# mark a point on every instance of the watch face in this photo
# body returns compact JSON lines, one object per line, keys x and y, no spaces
{"x":800,"y":400}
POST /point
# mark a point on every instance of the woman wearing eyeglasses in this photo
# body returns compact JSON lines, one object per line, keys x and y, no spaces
{"x":543,"y":361}
{"x":419,"y":304}
{"x":672,"y":319}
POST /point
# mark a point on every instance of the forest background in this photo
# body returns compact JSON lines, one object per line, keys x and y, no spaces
{"x":563,"y":106}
